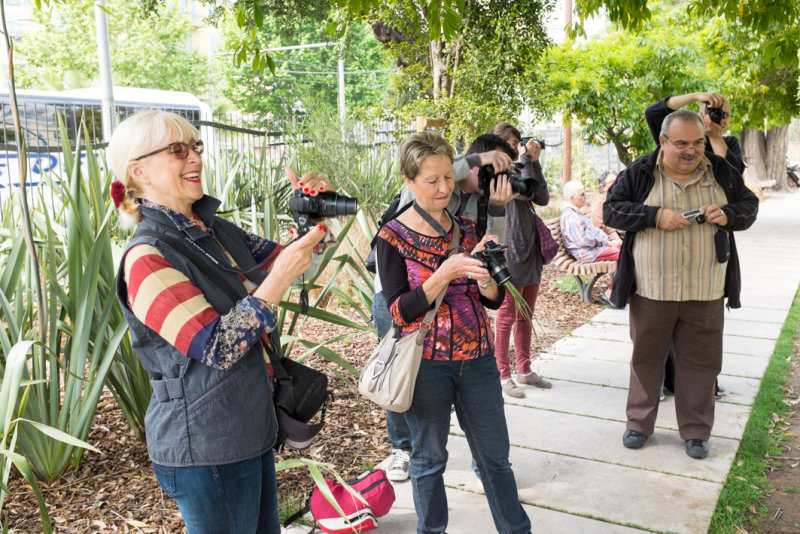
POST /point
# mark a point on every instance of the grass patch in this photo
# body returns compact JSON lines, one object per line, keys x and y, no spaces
{"x":567,"y":284}
{"x":792,"y":489}
{"x":747,"y":483}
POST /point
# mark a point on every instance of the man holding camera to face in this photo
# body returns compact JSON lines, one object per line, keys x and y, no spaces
{"x":676,"y":267}
{"x":716,"y":114}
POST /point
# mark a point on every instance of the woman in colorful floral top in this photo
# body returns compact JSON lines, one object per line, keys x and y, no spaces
{"x":458,"y":366}
{"x":200,"y":296}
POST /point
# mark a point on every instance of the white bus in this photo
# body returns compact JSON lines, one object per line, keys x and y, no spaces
{"x":39,"y":110}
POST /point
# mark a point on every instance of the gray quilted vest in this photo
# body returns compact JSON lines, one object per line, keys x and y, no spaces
{"x":199,"y":415}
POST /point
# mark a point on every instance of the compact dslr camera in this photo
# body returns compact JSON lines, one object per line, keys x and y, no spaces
{"x":307,"y":209}
{"x":696,"y":215}
{"x":716,"y":114}
{"x":494,"y":259}
{"x":524,"y":141}
{"x":523,"y":186}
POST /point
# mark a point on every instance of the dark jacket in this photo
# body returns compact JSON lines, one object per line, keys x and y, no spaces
{"x":524,"y":254}
{"x":624,"y":209}
{"x":210,"y":416}
{"x":655,"y":115}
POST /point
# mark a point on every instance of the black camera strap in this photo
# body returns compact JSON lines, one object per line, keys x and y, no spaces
{"x":438,"y":228}
{"x":483,"y":211}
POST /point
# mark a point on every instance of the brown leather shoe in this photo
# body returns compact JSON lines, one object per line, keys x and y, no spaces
{"x":534,"y":380}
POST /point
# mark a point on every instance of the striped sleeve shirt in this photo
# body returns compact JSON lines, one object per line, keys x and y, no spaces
{"x":680,"y":265}
{"x":165,"y":300}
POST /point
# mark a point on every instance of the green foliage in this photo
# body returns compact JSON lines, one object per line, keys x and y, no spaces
{"x":761,"y":89}
{"x":148,"y":48}
{"x":303,"y":79}
{"x":567,"y":284}
{"x":747,"y":483}
{"x":607,"y":82}
{"x":485,"y":72}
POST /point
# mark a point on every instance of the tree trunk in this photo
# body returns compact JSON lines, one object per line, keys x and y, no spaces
{"x":765,"y":155}
{"x":754,"y":146}
{"x":777,"y":146}
{"x":438,"y":69}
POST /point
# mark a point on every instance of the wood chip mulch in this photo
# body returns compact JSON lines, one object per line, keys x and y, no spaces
{"x":115,"y":491}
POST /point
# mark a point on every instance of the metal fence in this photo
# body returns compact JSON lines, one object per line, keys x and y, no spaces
{"x":227,"y":137}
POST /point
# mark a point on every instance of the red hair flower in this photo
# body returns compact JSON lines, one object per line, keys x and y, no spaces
{"x":117,"y":192}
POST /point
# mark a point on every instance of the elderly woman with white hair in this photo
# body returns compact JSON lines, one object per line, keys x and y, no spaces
{"x":201,"y":298}
{"x":583,"y":240}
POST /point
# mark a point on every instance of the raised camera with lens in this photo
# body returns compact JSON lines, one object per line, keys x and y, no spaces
{"x":524,"y":141}
{"x":494,"y":259}
{"x":519,"y":184}
{"x":307,"y":209}
{"x":716,"y":114}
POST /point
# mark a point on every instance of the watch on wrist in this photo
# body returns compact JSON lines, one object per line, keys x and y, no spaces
{"x":487,"y":284}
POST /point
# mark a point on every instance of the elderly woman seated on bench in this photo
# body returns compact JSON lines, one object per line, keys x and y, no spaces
{"x":583,"y":240}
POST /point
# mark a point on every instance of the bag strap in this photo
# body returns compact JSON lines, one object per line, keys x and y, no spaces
{"x":199,"y":260}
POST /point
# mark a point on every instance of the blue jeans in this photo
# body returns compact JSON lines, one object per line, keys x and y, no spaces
{"x":235,"y":498}
{"x":474,"y":387}
{"x":396,"y":427}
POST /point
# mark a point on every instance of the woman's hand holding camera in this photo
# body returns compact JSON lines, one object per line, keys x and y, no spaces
{"x":296,"y":257}
{"x":310,"y":183}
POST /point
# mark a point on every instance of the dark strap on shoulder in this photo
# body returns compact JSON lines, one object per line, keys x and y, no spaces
{"x":433,"y":222}
{"x":200,"y":261}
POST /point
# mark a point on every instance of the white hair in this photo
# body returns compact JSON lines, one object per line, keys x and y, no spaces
{"x":572,"y":188}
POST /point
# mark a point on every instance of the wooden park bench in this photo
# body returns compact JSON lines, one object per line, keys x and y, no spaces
{"x":567,"y":263}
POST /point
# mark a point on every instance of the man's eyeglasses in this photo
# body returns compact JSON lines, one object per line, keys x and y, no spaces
{"x":179,"y":150}
{"x":683,"y":145}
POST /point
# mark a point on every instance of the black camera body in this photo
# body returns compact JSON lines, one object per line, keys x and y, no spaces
{"x":524,"y":141}
{"x":715,"y":114}
{"x":519,"y":184}
{"x":307,"y":209}
{"x":494,"y":259}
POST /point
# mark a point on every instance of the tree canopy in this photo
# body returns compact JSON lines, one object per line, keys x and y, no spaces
{"x":304,"y":78}
{"x":149,"y":48}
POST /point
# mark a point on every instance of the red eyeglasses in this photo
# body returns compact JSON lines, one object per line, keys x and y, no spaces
{"x":179,"y":150}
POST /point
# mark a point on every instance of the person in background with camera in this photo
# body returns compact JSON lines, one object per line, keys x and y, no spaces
{"x":716,"y":114}
{"x":397,"y":465}
{"x":457,"y":367}
{"x":583,"y":240}
{"x":210,"y":423}
{"x":525,"y":263}
{"x":676,"y":270}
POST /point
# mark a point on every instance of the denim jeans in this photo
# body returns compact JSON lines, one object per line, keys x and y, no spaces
{"x":473,"y":386}
{"x":396,"y":427}
{"x":235,"y":498}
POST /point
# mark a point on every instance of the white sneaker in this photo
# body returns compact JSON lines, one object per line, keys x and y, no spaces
{"x":398,"y":465}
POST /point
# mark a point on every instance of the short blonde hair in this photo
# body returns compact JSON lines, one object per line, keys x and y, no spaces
{"x":419,"y":146}
{"x":138,"y":135}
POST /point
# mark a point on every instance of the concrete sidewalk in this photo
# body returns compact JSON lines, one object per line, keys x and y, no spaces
{"x":572,"y":471}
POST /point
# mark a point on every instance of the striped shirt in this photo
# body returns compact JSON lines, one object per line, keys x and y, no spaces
{"x":680,"y":265}
{"x":165,"y":300}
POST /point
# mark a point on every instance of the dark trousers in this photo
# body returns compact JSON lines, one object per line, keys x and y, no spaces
{"x":695,"y":329}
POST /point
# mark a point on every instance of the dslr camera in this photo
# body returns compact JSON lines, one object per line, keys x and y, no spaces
{"x":494,"y":259}
{"x":524,"y":141}
{"x":716,"y":114}
{"x":307,"y":209}
{"x":523,"y":186}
